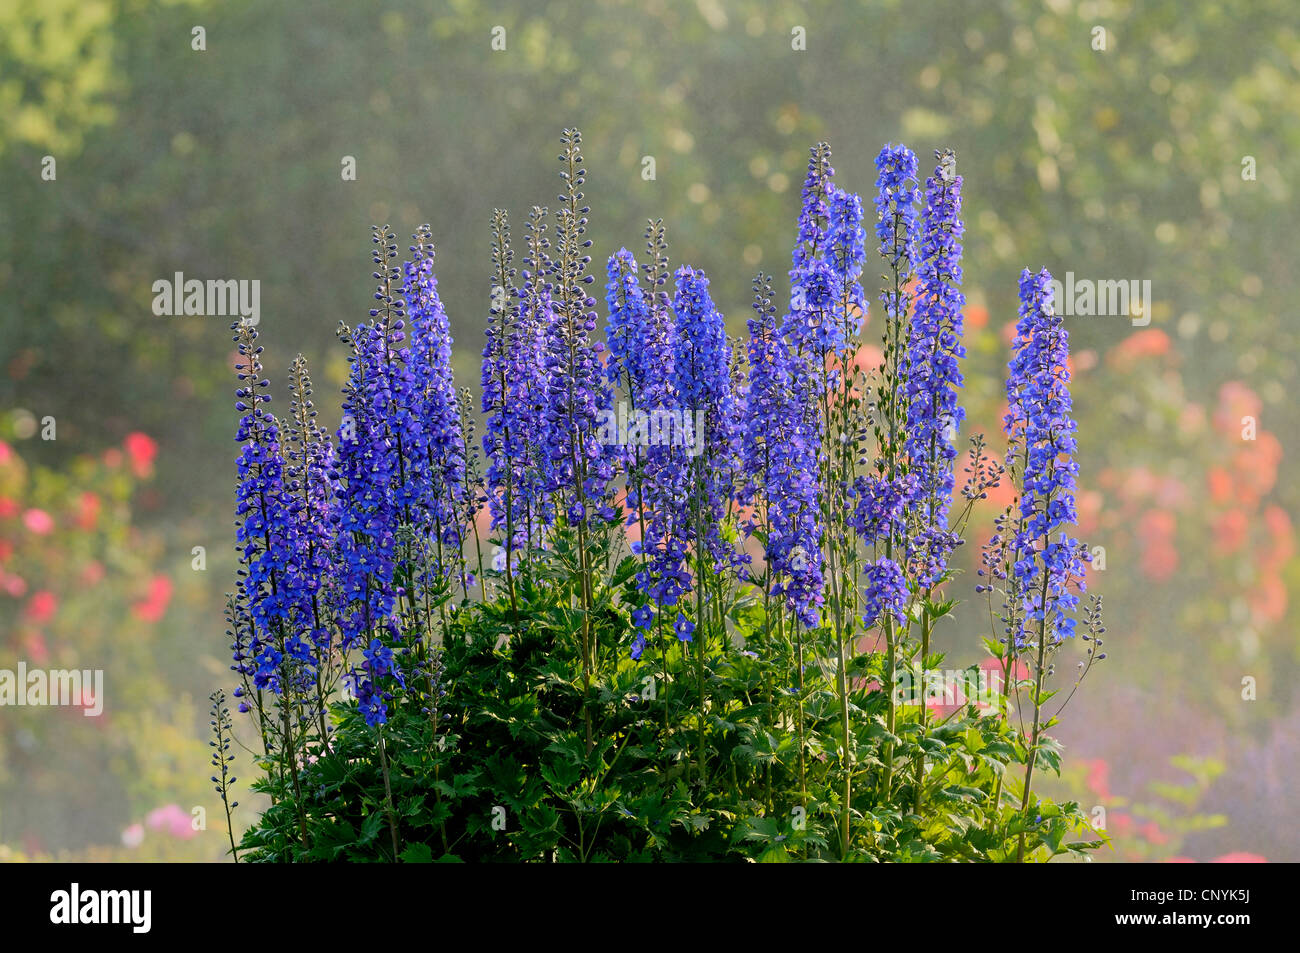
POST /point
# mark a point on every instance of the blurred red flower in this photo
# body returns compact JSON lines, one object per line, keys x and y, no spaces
{"x":87,"y":510}
{"x":154,"y":605}
{"x":1230,"y":531}
{"x":41,"y":606}
{"x":141,"y":450}
{"x":1152,"y":832}
{"x":1098,"y":780}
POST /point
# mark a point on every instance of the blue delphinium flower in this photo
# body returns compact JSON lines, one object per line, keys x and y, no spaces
{"x":933,"y":374}
{"x":1048,"y":562}
{"x":266,"y":530}
{"x":812,"y":282}
{"x":437,"y":453}
{"x":885,"y":593}
{"x":780,"y":443}
{"x":366,"y":512}
{"x":516,"y":395}
{"x":308,"y":462}
{"x":640,"y":335}
{"x":374,"y":496}
{"x":626,"y":331}
{"x":845,"y":255}
{"x":702,"y":380}
{"x":896,"y":222}
{"x":881,"y":506}
{"x":882,"y":501}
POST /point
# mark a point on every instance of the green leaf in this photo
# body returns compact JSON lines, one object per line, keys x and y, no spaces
{"x":417,"y":854}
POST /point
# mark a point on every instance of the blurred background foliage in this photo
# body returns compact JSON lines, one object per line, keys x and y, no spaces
{"x":1125,"y":162}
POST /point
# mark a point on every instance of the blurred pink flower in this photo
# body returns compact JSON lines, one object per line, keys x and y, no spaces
{"x":38,"y":521}
{"x":133,"y":836}
{"x":171,"y":819}
{"x":1236,"y":401}
{"x":36,"y":649}
{"x":1098,"y":776}
{"x":13,"y":584}
{"x":1240,"y":857}
{"x":1152,"y":832}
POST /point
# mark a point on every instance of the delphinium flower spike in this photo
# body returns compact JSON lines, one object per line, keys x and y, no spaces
{"x":439,"y":455}
{"x":222,"y":762}
{"x":933,"y":374}
{"x":1048,"y":564}
{"x":780,"y":441}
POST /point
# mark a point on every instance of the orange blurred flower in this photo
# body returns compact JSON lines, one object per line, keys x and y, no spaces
{"x":1156,"y":531}
{"x":87,"y":510}
{"x":1268,"y":600}
{"x":1230,"y":531}
{"x":1220,"y":485}
{"x":1151,"y":342}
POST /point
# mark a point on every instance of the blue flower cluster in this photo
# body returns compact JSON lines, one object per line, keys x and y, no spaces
{"x":933,"y":375}
{"x":702,"y":382}
{"x":265,"y":530}
{"x":323,"y":525}
{"x":896,"y":221}
{"x":349,"y":545}
{"x":781,"y":441}
{"x":1048,"y":563}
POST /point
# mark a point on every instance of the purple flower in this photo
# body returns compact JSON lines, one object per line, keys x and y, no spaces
{"x":885,"y":592}
{"x":1047,"y":562}
{"x":436,"y":452}
{"x":896,"y":223}
{"x":702,"y":380}
{"x":516,"y":397}
{"x":266,"y":528}
{"x":933,"y":375}
{"x":812,"y":282}
{"x":780,"y":441}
